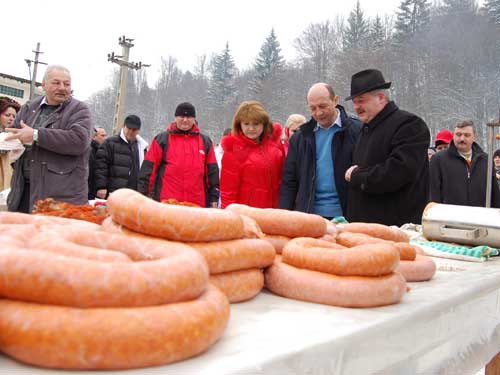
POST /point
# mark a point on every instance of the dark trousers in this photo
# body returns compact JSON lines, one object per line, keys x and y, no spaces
{"x":24,"y":205}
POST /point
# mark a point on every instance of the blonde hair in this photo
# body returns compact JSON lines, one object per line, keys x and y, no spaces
{"x":295,"y":119}
{"x":252,"y":111}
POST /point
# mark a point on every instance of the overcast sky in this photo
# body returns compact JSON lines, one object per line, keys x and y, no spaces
{"x":79,"y":35}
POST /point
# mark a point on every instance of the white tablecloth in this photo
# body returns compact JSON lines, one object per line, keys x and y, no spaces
{"x":450,"y":325}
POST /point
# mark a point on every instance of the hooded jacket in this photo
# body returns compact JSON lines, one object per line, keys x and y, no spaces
{"x":251,"y":171}
{"x":184,"y":170}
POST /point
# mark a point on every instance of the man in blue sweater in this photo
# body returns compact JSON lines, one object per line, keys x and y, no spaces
{"x":318,"y":156}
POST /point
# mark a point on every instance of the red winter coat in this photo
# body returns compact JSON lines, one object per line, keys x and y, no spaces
{"x":190,"y":174}
{"x":251,"y":172}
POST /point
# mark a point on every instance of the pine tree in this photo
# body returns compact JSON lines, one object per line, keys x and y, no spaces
{"x":357,"y":29}
{"x":492,"y":8}
{"x":456,"y":7}
{"x":268,"y":64}
{"x":377,"y":33}
{"x":413,"y":16}
{"x":221,"y":88}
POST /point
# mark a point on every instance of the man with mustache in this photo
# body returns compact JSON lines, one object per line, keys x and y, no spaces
{"x":458,"y":174}
{"x":56,"y":130}
{"x":389,"y":176}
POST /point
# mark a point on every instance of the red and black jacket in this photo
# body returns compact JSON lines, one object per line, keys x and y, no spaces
{"x":180,"y":165}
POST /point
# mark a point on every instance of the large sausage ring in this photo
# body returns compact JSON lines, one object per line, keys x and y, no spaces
{"x":111,"y":338}
{"x":324,"y":256}
{"x":162,"y":272}
{"x":348,"y":291}
{"x":179,"y":223}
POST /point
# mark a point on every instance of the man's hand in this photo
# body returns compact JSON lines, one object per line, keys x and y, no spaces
{"x":101,"y":193}
{"x":349,"y":172}
{"x":24,"y":134}
{"x":213,"y":205}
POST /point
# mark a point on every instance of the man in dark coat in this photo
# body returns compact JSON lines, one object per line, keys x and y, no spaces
{"x":98,"y":138}
{"x":119,"y":159}
{"x":458,"y":174}
{"x":319,"y":153}
{"x":56,"y":130}
{"x":389,"y":178}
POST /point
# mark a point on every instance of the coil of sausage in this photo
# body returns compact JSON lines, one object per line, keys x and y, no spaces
{"x":161,"y":272}
{"x":323,"y":256}
{"x":346,"y":291}
{"x":179,"y":223}
{"x":111,"y":338}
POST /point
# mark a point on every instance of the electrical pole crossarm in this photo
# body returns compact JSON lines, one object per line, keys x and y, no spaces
{"x":124,"y":64}
{"x":36,"y":62}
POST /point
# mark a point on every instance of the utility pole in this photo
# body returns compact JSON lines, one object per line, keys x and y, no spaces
{"x":35,"y":67}
{"x":125,"y":65}
{"x":490,"y":145}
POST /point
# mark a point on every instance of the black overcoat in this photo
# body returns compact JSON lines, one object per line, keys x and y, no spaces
{"x":452,"y":182}
{"x":391,"y":184}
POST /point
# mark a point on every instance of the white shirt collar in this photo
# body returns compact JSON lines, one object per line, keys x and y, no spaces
{"x":122,"y":136}
{"x":337,"y":122}
{"x":44,"y":101}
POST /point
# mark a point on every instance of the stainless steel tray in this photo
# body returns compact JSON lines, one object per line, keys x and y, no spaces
{"x":462,"y":224}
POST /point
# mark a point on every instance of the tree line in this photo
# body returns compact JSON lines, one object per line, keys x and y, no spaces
{"x":443,"y":59}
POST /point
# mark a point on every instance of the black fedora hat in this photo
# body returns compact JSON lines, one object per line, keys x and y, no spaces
{"x":366,"y":81}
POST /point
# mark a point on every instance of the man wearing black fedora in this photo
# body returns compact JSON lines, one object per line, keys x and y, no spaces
{"x":389,"y":178}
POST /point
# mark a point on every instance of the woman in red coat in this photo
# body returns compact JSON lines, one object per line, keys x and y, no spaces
{"x":253,"y":159}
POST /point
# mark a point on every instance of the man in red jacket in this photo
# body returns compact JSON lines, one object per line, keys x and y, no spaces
{"x":181,"y":163}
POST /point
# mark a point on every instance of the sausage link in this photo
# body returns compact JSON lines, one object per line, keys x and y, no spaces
{"x":422,"y":268}
{"x":351,"y":239}
{"x":375,"y":230}
{"x":277,"y":241}
{"x":239,"y":286}
{"x":221,"y":256}
{"x":283,"y":222}
{"x":225,"y":256}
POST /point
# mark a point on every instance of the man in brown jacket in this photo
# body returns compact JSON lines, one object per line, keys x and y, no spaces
{"x":56,"y":129}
